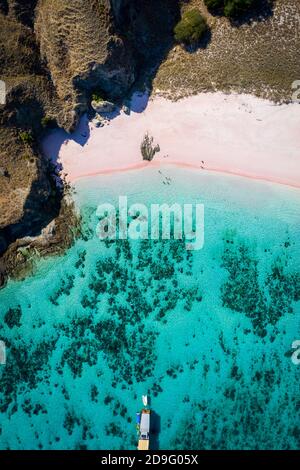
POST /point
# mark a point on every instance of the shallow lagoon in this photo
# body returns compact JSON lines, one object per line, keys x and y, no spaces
{"x":207,"y":334}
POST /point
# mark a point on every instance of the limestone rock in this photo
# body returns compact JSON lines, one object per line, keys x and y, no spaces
{"x":103,"y":107}
{"x":83,"y":52}
{"x":54,"y":55}
{"x":126,"y":109}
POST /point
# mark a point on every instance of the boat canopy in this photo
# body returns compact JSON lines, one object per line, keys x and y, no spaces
{"x":145,"y":424}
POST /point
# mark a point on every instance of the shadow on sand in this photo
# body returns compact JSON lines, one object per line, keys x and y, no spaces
{"x":52,"y":143}
{"x":56,"y":138}
{"x":139,"y":101}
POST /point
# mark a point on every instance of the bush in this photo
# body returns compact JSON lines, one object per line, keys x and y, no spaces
{"x":29,"y":158}
{"x":26,"y":137}
{"x":191,"y":27}
{"x":214,"y":4}
{"x":96,"y":96}
{"x":230,"y":8}
{"x":237,"y":7}
{"x":48,"y":122}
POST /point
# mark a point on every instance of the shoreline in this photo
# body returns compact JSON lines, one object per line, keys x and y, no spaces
{"x":160,"y":165}
{"x":239,"y":135}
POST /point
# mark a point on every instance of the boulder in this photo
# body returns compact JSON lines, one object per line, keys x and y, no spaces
{"x":98,"y":121}
{"x":104,"y":107}
{"x":126,"y":109}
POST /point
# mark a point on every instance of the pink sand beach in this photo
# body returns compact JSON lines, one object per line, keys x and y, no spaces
{"x":236,"y":134}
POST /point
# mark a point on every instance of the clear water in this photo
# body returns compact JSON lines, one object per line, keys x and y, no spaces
{"x":206,"y":334}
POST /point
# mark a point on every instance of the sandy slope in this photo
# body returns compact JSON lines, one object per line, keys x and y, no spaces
{"x":238,"y":134}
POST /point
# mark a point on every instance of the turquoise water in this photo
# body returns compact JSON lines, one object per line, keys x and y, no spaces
{"x":207,"y":334}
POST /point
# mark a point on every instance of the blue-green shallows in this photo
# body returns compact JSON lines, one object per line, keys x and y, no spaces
{"x":207,"y":335}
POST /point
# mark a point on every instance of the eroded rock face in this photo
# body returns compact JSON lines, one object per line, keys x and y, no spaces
{"x":27,"y":97}
{"x":54,"y":54}
{"x":76,"y":44}
{"x":103,"y":106}
{"x":27,"y":195}
{"x":100,"y":45}
{"x":83,"y":52}
{"x":21,"y":10}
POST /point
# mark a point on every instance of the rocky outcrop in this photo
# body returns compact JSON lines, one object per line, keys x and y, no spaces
{"x":29,"y":200}
{"x":100,"y":45}
{"x":103,"y":106}
{"x":50,"y":67}
{"x":54,"y":55}
{"x":28,"y":197}
{"x":83,"y":52}
{"x":22,"y":10}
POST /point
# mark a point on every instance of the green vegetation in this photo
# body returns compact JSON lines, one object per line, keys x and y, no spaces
{"x":230,"y":8}
{"x":190,"y":28}
{"x":26,"y":137}
{"x":29,"y":158}
{"x":48,"y":122}
{"x":214,"y":4}
{"x":96,"y":96}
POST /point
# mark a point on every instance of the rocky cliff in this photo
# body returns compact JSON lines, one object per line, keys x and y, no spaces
{"x":100,"y":45}
{"x":83,"y":52}
{"x":53,"y":55}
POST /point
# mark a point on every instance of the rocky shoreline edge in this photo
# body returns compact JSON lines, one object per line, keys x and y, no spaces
{"x":19,"y":260}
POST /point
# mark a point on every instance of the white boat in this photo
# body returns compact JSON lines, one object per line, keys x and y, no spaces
{"x":145,"y":400}
{"x":143,"y":426}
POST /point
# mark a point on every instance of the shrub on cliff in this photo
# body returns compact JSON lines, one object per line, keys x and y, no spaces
{"x":237,"y":7}
{"x":230,"y":8}
{"x":190,"y":28}
{"x":97,"y":96}
{"x":214,"y":4}
{"x":26,"y":137}
{"x":48,"y":122}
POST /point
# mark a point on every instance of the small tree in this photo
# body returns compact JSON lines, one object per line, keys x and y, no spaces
{"x":191,"y":27}
{"x":230,"y":8}
{"x":234,"y":8}
{"x":97,"y":96}
{"x":48,"y":122}
{"x":26,"y":137}
{"x":148,"y":150}
{"x":214,"y":4}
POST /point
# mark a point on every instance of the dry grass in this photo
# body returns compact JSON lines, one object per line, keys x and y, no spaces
{"x":18,"y":50}
{"x":72,"y":35}
{"x":260,"y":58}
{"x":15,"y":188}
